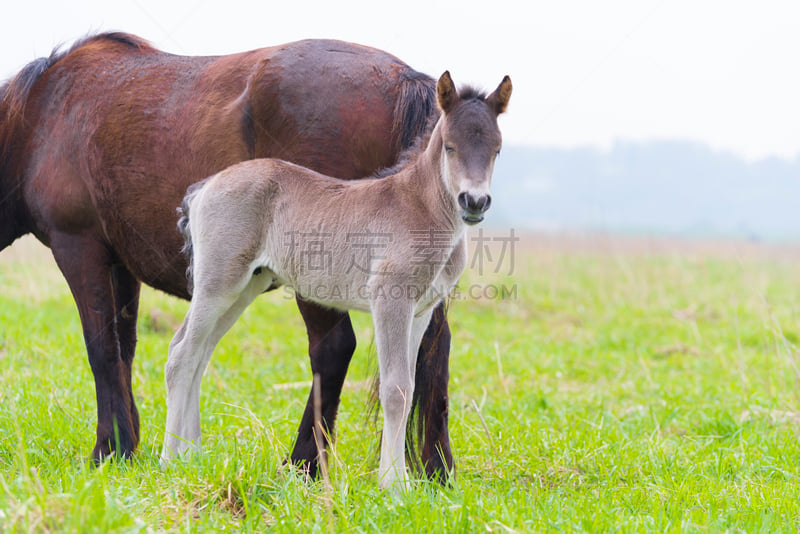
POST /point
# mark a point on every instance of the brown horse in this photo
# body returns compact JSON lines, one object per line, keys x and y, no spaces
{"x":246,"y":231}
{"x":98,"y":145}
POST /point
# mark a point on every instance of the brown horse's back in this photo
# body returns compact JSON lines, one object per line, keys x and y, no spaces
{"x":115,"y":131}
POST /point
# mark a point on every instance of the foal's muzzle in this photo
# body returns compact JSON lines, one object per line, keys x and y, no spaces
{"x":473,"y":206}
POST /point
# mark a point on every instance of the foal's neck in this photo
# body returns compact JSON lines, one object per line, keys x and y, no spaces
{"x":423,"y":178}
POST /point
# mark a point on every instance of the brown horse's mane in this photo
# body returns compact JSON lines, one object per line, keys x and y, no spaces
{"x":418,"y":144}
{"x":14,"y":92}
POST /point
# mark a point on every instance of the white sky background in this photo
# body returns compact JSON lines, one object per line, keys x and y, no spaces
{"x":723,"y":73}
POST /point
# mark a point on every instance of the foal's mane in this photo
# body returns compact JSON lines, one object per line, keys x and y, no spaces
{"x":14,"y":92}
{"x":418,"y":145}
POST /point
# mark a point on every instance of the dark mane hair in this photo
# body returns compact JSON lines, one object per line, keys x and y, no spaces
{"x":414,"y":107}
{"x":468,"y":92}
{"x":14,"y":95}
{"x":14,"y":92}
{"x":410,"y":153}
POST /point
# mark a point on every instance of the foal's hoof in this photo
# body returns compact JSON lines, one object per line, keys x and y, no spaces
{"x":397,"y":487}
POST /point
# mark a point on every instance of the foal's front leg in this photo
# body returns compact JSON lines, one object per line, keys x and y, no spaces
{"x":392,"y":338}
{"x":397,"y":337}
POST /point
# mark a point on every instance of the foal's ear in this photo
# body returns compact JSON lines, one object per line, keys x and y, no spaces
{"x":498,"y":100}
{"x":446,"y":93}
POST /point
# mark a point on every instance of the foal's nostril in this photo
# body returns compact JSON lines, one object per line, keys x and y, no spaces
{"x":479,"y":204}
{"x":463,"y":200}
{"x":474,"y":204}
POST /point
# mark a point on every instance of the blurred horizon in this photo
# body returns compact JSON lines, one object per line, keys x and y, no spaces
{"x":673,"y":188}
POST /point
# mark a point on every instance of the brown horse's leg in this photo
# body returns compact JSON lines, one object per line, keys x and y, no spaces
{"x":431,"y":378}
{"x":126,"y":303}
{"x":331,"y":343}
{"x":86,"y":264}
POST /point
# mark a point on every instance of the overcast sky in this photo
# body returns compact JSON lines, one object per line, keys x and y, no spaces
{"x":724,"y":73}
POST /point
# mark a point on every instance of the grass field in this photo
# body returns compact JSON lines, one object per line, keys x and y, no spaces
{"x":618,"y":385}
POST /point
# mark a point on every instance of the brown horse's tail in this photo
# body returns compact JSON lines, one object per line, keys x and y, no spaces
{"x":186,"y":232}
{"x":415,"y":110}
{"x":427,"y":439}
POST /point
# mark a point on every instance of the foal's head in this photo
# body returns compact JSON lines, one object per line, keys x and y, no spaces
{"x":471,"y":142}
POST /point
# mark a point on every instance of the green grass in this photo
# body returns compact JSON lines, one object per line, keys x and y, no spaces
{"x":620,"y":387}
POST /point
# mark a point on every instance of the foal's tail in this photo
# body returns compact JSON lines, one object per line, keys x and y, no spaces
{"x":186,"y":232}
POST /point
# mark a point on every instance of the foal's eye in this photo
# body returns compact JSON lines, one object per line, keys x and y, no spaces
{"x":449,"y":149}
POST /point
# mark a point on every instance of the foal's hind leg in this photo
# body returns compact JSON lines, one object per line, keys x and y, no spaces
{"x":208,"y":319}
{"x":331,"y":343}
{"x":86,"y":264}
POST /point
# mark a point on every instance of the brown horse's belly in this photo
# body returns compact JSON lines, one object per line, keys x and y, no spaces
{"x":147,"y":243}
